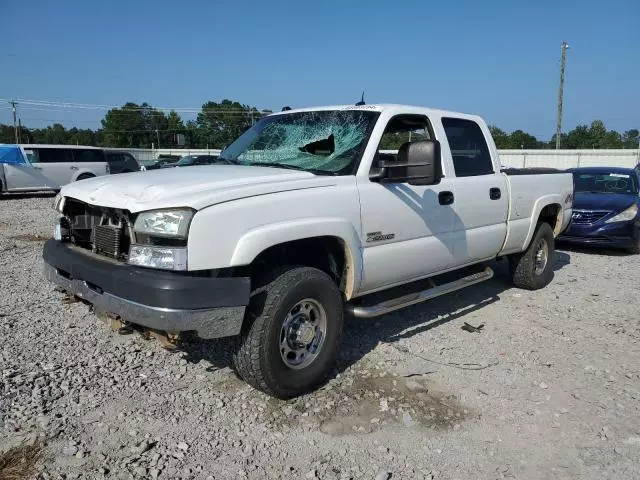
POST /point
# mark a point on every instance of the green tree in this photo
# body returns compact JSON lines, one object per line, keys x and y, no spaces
{"x":175,"y":125}
{"x":500,"y":137}
{"x":631,"y":138}
{"x":520,"y":139}
{"x":134,"y":126}
{"x":219,"y":124}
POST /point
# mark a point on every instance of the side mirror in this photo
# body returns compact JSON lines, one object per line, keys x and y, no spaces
{"x":418,"y":163}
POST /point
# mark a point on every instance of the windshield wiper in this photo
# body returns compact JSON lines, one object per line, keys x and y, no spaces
{"x":291,"y":167}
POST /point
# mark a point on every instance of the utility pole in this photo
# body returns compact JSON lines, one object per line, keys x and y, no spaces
{"x":19,"y":131}
{"x":563,"y":60}
{"x":13,"y":104}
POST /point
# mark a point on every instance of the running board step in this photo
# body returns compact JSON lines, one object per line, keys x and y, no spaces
{"x":418,"y":297}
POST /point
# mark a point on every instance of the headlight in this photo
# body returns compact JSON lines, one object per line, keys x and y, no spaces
{"x":164,"y":258}
{"x":626,"y":215}
{"x":164,"y":223}
{"x":58,"y":203}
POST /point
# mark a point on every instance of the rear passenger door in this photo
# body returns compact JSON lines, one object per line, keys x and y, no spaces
{"x":55,"y":164}
{"x":481,"y":196}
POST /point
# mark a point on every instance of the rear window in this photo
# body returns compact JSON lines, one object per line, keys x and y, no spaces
{"x":605,"y":182}
{"x":468,"y":146}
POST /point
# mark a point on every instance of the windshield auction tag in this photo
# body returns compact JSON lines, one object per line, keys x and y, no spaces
{"x":618,"y":175}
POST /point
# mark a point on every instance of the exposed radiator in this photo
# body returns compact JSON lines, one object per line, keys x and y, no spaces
{"x":107,"y":240}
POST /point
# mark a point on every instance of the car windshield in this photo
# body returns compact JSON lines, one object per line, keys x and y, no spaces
{"x":605,"y":182}
{"x":324,"y":142}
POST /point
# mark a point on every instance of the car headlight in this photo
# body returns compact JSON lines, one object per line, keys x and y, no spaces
{"x":626,"y":215}
{"x":58,"y":203}
{"x":164,"y":258}
{"x":164,"y":223}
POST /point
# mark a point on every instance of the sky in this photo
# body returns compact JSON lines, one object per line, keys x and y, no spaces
{"x":499,"y":59}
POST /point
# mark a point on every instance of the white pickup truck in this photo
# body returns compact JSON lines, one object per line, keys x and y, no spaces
{"x":304,"y":216}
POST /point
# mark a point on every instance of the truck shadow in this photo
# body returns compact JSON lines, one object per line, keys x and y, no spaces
{"x":604,"y":251}
{"x":361,"y":336}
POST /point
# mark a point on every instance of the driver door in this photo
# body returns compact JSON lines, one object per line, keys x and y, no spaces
{"x":407,"y":230}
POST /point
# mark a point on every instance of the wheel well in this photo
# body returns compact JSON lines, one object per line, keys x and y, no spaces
{"x":551,"y":214}
{"x":324,"y":253}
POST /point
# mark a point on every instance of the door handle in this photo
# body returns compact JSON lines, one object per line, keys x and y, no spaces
{"x":445,"y":198}
{"x":495,"y":193}
{"x":73,"y":167}
{"x":37,"y":168}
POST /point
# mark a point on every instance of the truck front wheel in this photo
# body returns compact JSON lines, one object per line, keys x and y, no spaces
{"x":533,"y":268}
{"x":292,"y":332}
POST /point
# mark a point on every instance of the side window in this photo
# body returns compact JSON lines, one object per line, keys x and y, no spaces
{"x":87,"y":156}
{"x":401,"y":129}
{"x":54,"y":155}
{"x":468,"y":146}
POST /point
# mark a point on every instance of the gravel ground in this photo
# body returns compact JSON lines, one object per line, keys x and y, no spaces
{"x":549,"y":388}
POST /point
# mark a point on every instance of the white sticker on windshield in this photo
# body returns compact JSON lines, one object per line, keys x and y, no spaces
{"x":619,"y":175}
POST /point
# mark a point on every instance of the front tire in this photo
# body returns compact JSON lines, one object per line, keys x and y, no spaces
{"x":533,"y":268}
{"x":292,"y":331}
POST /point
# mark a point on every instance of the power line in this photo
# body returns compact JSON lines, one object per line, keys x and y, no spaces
{"x":89,"y":106}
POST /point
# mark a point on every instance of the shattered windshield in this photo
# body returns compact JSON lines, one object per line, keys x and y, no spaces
{"x":324,"y":142}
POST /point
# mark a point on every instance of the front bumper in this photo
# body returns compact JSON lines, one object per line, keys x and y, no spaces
{"x":161,"y":300}
{"x":617,"y":235}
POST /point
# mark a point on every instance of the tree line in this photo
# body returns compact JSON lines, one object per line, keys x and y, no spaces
{"x":218,"y":124}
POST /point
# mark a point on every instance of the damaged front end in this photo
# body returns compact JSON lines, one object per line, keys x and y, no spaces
{"x":93,"y":257}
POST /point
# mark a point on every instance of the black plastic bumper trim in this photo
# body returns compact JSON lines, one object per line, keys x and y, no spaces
{"x":153,"y":288}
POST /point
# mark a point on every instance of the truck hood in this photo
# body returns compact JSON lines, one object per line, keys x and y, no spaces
{"x":196,"y":187}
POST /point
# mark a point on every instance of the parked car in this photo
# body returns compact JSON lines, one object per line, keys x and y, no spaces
{"x":121,"y":162}
{"x":606,"y":208}
{"x":163,"y":161}
{"x":189,"y":160}
{"x":48,"y":167}
{"x":307,"y":219}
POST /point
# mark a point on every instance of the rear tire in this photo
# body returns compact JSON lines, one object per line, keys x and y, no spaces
{"x":283,"y":350}
{"x":533,"y":268}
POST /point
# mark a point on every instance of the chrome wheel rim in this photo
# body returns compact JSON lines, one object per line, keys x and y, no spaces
{"x":541,"y":257}
{"x":302,"y":334}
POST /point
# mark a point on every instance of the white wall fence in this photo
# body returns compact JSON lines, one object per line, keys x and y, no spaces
{"x":510,"y":158}
{"x":569,"y":158}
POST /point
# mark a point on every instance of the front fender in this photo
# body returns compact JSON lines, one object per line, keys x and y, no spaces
{"x":257,"y":240}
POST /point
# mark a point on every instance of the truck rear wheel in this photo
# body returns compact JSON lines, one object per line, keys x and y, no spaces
{"x":292,"y":332}
{"x":533,"y":268}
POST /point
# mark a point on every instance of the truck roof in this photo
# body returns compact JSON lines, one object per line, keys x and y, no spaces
{"x":382,"y":107}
